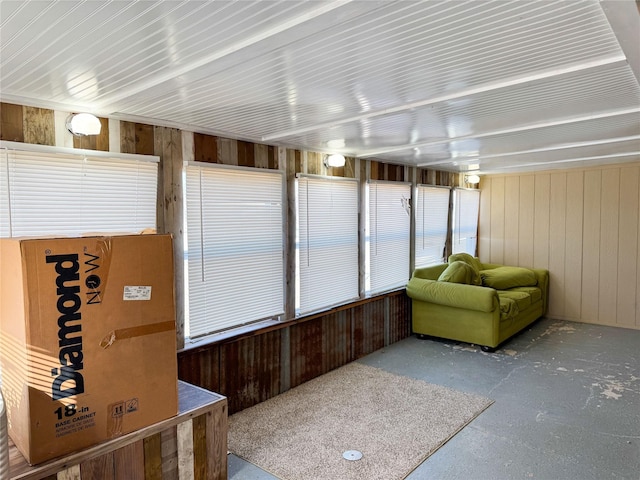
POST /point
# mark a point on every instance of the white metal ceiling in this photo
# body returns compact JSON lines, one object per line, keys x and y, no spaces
{"x":487,"y":85}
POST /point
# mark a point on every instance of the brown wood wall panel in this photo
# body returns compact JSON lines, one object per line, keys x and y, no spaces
{"x":306,"y":340}
{"x":250,"y":370}
{"x":200,"y":448}
{"x":153,"y":457}
{"x":98,"y":468}
{"x":129,"y":462}
{"x":136,"y":138}
{"x":11,"y":122}
{"x":169,"y":452}
{"x":39,"y":126}
{"x":368,"y":328}
{"x":205,"y":148}
{"x":246,"y":154}
{"x":399,"y":315}
{"x":201,"y":367}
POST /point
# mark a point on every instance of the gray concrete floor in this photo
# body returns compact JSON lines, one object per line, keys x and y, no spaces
{"x":567,"y":404}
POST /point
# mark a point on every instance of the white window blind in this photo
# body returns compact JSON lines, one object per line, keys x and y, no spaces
{"x":327,"y":244}
{"x":61,"y":191}
{"x":432,"y":223}
{"x":466,"y":204}
{"x":388,"y":235}
{"x":235,"y":244}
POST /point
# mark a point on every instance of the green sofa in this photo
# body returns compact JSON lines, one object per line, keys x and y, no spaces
{"x":474,"y":302}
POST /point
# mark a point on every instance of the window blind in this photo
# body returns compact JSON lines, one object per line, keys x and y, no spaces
{"x":388,"y":235}
{"x":327,"y":243}
{"x":466,"y":205}
{"x":432,"y":223}
{"x":60,"y":191}
{"x":235,"y":242}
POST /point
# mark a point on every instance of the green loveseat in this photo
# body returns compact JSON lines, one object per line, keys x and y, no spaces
{"x":474,"y":302}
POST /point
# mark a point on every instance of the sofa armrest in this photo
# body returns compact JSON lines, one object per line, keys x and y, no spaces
{"x":459,"y":295}
{"x":543,"y":283}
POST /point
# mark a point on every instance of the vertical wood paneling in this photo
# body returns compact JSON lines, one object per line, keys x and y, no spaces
{"x":205,"y":148}
{"x":246,"y":153}
{"x":200,"y":448}
{"x":541,"y":222}
{"x":185,"y":449}
{"x":585,"y":231}
{"x":39,"y":126}
{"x":306,"y":351}
{"x":261,"y":155}
{"x":591,"y":247}
{"x":628,"y":247}
{"x":526,"y":210}
{"x":399,"y":317}
{"x":496,"y":254}
{"x":128,"y":462}
{"x":227,"y":151}
{"x":216,"y":433}
{"x":250,"y":370}
{"x":153,"y":457}
{"x":137,"y":138}
{"x":511,"y":226}
{"x":169,"y":451}
{"x":368,"y":328}
{"x":609,"y":224}
{"x":11,"y":122}
{"x":557,"y":242}
{"x":201,"y":367}
{"x":71,"y":473}
{"x":99,"y":468}
{"x":484,"y":220}
{"x":573,"y":245}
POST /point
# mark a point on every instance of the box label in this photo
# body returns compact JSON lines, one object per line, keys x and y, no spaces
{"x":136,"y":292}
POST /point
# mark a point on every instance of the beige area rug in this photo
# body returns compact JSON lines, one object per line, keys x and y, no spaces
{"x":395,"y":422}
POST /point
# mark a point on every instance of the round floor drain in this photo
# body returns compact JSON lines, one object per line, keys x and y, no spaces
{"x":352,"y":455}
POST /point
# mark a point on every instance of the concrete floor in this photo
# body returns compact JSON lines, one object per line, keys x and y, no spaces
{"x":567,"y":404}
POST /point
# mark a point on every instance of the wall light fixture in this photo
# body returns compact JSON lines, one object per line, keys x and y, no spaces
{"x":334,"y":160}
{"x":81,"y":124}
{"x":472,"y":179}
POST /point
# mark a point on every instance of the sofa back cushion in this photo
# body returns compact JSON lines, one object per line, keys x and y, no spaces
{"x":502,"y":278}
{"x":457,"y":272}
{"x":470,"y":260}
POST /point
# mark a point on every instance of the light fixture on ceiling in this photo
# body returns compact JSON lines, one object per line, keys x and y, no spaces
{"x":334,"y":160}
{"x":82,"y":124}
{"x":472,"y":179}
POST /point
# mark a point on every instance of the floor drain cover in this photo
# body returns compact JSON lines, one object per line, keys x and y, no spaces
{"x":352,"y":455}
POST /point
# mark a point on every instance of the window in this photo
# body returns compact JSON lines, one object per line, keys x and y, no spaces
{"x":388,"y":235}
{"x":235,"y":247}
{"x":327,"y":242}
{"x":432,"y":223}
{"x":466,"y":204}
{"x":61,"y":191}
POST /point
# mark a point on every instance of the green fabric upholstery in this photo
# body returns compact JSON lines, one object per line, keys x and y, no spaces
{"x":457,"y":272}
{"x":502,"y":278}
{"x":470,"y":260}
{"x":477,"y":314}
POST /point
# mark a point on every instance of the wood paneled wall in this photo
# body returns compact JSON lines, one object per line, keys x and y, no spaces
{"x":254,"y":368}
{"x":583,"y":225}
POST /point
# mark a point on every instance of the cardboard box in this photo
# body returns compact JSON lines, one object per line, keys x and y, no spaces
{"x":88,"y":348}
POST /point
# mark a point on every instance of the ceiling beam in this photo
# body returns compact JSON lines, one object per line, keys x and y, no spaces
{"x":483,"y":88}
{"x":624,"y":18}
{"x":504,"y":131}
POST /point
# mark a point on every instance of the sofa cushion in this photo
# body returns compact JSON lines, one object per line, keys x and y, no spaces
{"x":522,"y":299}
{"x":457,"y":272}
{"x":508,"y":308}
{"x":470,"y":260}
{"x":502,"y":278}
{"x":534,"y":292}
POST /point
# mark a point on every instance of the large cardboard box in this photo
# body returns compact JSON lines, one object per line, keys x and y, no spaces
{"x":88,"y":346}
